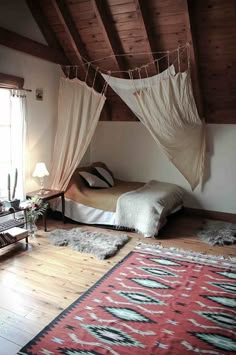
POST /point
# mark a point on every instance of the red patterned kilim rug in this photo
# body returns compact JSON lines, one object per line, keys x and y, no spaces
{"x":155,"y":301}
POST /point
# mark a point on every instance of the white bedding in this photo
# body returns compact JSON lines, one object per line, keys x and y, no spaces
{"x":90,"y":215}
{"x":86,"y":214}
{"x":145,"y":209}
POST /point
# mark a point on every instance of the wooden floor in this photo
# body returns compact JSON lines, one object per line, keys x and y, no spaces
{"x":38,"y":282}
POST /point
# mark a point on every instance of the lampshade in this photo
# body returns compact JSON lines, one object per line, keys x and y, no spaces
{"x":40,"y":170}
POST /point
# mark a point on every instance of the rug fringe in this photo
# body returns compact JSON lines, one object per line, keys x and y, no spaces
{"x":144,"y":247}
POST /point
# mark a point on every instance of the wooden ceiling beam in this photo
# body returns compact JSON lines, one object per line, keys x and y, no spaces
{"x":109,"y":32}
{"x":41,"y":20}
{"x":65,"y":18}
{"x":189,"y":8}
{"x":43,"y":24}
{"x":77,"y":44}
{"x":64,"y":15}
{"x":20,"y":43}
{"x":145,"y":24}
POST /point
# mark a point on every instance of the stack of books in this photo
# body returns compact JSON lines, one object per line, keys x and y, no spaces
{"x":12,"y":235}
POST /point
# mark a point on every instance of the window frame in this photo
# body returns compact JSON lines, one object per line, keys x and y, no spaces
{"x":8,"y":81}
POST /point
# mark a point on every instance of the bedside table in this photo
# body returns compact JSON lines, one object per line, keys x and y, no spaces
{"x":47,"y":195}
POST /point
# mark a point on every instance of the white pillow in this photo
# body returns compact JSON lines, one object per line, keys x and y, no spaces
{"x":93,"y":180}
{"x":105,"y":174}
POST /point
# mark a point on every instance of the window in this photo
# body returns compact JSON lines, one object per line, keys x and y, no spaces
{"x":11,"y":143}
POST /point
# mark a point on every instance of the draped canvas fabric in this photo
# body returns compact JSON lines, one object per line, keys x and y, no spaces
{"x":165,"y":104}
{"x":79,"y":108}
{"x":126,"y":87}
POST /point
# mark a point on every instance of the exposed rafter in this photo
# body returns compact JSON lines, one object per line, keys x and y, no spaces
{"x":45,"y":28}
{"x":43,"y":24}
{"x":193,"y":56}
{"x":104,"y":18}
{"x":63,"y":13}
{"x":13,"y":40}
{"x":145,"y":23}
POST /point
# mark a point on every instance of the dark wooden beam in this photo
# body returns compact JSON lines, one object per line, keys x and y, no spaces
{"x":145,"y":24}
{"x":189,"y":8}
{"x":77,"y":44}
{"x":11,"y":81}
{"x":65,"y":18}
{"x":14,"y":41}
{"x":41,"y":20}
{"x":45,"y":28}
{"x":109,"y":32}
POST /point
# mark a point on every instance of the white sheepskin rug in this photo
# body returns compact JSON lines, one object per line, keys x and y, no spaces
{"x":102,"y":245}
{"x":218,"y":232}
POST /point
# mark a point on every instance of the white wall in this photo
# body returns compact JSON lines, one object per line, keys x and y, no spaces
{"x":131,"y":153}
{"x":15,"y":16}
{"x":41,"y":115}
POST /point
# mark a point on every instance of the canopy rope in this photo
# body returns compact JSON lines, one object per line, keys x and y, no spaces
{"x":179,"y":52}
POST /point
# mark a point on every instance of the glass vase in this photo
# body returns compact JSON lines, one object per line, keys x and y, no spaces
{"x":32,"y":228}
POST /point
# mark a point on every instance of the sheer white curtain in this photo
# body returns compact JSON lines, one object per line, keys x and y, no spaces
{"x":18,"y":135}
{"x":79,"y":108}
{"x":12,"y":138}
{"x":166,"y":106}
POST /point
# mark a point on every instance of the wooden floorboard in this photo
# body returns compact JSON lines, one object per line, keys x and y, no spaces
{"x":39,"y":281}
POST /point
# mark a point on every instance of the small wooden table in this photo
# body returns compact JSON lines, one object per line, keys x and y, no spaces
{"x":47,"y":195}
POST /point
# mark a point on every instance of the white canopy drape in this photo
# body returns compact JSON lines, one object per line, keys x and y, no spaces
{"x":79,"y":108}
{"x":165,"y":104}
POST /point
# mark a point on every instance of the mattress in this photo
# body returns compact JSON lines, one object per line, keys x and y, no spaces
{"x":90,"y":215}
{"x":103,"y":199}
{"x":100,"y":206}
{"x":86,"y":214}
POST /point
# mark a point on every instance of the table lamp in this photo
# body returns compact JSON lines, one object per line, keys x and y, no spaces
{"x":40,"y":171}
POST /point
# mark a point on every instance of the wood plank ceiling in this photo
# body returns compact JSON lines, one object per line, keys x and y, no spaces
{"x":81,"y":31}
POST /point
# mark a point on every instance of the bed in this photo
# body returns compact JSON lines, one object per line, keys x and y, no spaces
{"x":122,"y":203}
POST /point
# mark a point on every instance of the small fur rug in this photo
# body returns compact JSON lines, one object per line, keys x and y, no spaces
{"x":102,"y":245}
{"x":218,"y":233}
